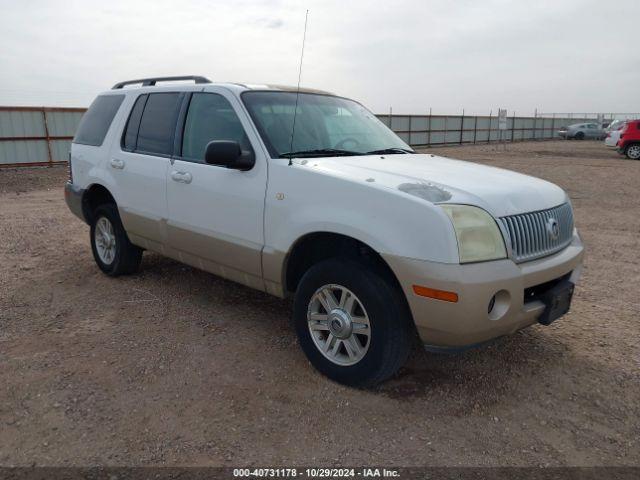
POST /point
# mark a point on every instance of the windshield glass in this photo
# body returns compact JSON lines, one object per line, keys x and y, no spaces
{"x":324,"y":125}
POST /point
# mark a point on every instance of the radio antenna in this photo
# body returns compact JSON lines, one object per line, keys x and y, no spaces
{"x":295,"y":111}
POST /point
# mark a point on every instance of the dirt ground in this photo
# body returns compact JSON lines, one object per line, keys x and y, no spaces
{"x":174,"y":366}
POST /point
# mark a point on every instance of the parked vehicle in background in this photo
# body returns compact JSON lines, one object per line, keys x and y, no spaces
{"x":582,"y":131}
{"x":613,"y":133}
{"x":615,"y":125}
{"x":375,"y":242}
{"x":629,"y":143}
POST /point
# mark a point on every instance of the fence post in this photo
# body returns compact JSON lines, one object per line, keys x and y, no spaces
{"x":410,"y":128}
{"x":390,"y":115}
{"x":513,"y":125}
{"x":461,"y":126}
{"x":475,"y":128}
{"x":489,"y":134}
{"x":535,"y":123}
{"x":429,"y":129}
{"x":46,"y":134}
{"x":445,"y":130}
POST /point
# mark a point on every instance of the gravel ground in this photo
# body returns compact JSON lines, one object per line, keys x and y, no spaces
{"x":174,"y":366}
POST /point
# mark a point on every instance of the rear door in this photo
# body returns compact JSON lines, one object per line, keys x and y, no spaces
{"x":140,"y":163}
{"x":215,"y":218}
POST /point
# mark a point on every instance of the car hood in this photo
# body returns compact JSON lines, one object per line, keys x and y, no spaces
{"x":443,"y":180}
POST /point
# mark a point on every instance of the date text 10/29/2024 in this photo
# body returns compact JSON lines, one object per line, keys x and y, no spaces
{"x":315,"y":472}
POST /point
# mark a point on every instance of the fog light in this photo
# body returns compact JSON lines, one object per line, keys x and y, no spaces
{"x":499,"y":305}
{"x":492,"y":303}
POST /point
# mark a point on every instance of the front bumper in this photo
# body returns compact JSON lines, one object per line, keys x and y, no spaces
{"x":73,"y":196}
{"x":468,"y":321}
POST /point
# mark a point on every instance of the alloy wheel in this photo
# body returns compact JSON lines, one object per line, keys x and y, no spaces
{"x":633,"y":152}
{"x":339,"y":325}
{"x":105,"y":240}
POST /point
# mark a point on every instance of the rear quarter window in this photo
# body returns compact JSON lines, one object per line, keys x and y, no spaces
{"x":97,"y":119}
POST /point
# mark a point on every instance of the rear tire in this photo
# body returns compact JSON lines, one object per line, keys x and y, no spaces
{"x":365,"y":335}
{"x":113,"y":252}
{"x":633,"y":151}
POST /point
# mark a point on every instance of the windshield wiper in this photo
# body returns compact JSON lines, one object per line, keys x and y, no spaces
{"x":390,"y":151}
{"x":320,"y":152}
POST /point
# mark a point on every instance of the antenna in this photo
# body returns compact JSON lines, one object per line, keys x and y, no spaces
{"x":295,"y":111}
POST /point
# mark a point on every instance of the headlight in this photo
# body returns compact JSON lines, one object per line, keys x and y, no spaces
{"x":479,"y":238}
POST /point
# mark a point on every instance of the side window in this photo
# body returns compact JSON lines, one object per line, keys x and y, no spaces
{"x":210,"y":117}
{"x":157,"y":124}
{"x":130,"y":136}
{"x":96,"y":121}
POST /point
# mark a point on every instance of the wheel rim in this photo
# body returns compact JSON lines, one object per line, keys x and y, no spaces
{"x":105,"y":240}
{"x":339,"y":325}
{"x":634,"y":152}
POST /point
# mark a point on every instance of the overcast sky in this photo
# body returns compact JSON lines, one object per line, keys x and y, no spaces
{"x":557,"y":55}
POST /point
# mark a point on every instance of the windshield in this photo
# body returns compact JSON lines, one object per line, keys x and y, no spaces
{"x":324,"y":125}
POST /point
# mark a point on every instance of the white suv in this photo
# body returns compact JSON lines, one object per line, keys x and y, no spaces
{"x":304,"y":193}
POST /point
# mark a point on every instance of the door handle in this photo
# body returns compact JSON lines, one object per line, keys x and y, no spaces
{"x":117,"y":163}
{"x":182,"y":177}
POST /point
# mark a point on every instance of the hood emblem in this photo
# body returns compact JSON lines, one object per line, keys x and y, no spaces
{"x":553,"y":228}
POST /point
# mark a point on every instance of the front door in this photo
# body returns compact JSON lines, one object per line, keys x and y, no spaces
{"x":215,"y":214}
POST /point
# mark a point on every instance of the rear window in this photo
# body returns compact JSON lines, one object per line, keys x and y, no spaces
{"x":157,"y":124}
{"x":96,"y":121}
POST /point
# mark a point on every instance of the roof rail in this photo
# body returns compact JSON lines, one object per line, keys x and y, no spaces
{"x":149,"y":82}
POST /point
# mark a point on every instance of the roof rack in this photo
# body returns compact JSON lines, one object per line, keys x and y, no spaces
{"x":150,"y":82}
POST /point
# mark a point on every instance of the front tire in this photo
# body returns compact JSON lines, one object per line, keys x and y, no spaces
{"x":113,"y":252}
{"x":352,"y":322}
{"x":579,"y":136}
{"x":633,"y":151}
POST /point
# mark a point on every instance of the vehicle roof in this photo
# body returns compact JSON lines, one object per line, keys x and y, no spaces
{"x":235,"y":87}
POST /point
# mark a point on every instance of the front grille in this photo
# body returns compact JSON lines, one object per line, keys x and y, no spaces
{"x":531,"y":233}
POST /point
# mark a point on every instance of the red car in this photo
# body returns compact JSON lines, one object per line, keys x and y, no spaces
{"x":629,"y":143}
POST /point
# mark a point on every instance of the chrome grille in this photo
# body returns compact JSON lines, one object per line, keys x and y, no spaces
{"x":530,"y":235}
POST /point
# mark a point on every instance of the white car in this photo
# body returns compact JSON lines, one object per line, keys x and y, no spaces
{"x":613,"y":133}
{"x":301,"y":193}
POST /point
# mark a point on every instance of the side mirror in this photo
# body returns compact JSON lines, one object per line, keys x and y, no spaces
{"x":227,"y":153}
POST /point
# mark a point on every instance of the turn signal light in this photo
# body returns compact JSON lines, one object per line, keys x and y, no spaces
{"x":437,"y":294}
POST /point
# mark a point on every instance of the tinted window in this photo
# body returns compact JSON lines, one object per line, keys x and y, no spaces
{"x":133,"y":124}
{"x":96,"y":121}
{"x":155,"y":134}
{"x":210,"y":117}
